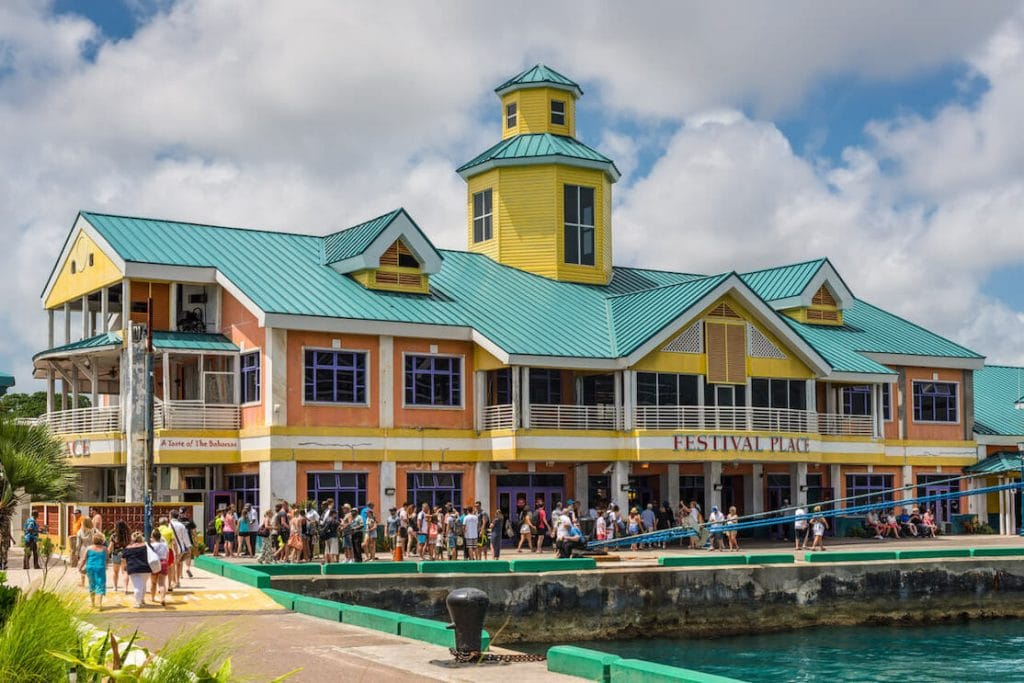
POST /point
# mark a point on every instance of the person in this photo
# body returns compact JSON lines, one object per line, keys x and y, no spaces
{"x":497,"y":532}
{"x":526,"y":530}
{"x":158,"y":580}
{"x":800,"y":528}
{"x":600,"y":528}
{"x":97,"y":521}
{"x":891,"y":525}
{"x":76,"y":526}
{"x":371,"y":525}
{"x":423,"y":531}
{"x":929,"y":524}
{"x":916,"y":521}
{"x":471,"y":533}
{"x":717,"y":521}
{"x":783,"y":528}
{"x":313,"y":521}
{"x":665,"y":519}
{"x":31,"y":530}
{"x":392,"y":528}
{"x":648,"y":518}
{"x":84,"y":539}
{"x":136,"y":565}
{"x":484,"y":544}
{"x":572,"y":539}
{"x":874,"y":523}
{"x":270,"y":537}
{"x":634,"y":525}
{"x":909,"y":528}
{"x":296,"y":543}
{"x":119,"y":540}
{"x":404,"y":515}
{"x":358,"y":529}
{"x":244,"y":548}
{"x":185,"y":515}
{"x":182,"y":545}
{"x":167,"y":534}
{"x":329,"y":531}
{"x":540,"y":523}
{"x":818,"y":526}
{"x":94,"y":564}
{"x":230,"y":528}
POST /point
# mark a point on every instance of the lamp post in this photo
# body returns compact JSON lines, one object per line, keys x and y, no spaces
{"x":1020,"y":487}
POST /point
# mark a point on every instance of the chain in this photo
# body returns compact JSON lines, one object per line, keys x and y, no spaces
{"x":477,"y":657}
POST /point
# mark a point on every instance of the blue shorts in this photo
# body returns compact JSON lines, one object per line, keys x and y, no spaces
{"x":229,"y":536}
{"x":421,"y":539}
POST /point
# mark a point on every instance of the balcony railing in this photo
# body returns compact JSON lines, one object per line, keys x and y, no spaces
{"x":752,"y":419}
{"x":82,"y":420}
{"x":498,"y":417}
{"x":845,"y":425}
{"x":544,"y":416}
{"x":194,"y":415}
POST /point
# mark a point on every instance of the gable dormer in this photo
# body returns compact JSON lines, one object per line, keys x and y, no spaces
{"x":389,"y":252}
{"x":811,"y":292}
{"x":823,"y":308}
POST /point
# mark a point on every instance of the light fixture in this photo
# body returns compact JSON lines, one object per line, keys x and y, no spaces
{"x":717,"y":487}
{"x":389,"y":491}
{"x":803,"y":488}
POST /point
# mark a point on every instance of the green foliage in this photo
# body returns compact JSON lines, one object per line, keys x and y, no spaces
{"x":31,"y":458}
{"x":8,"y":598}
{"x":31,"y":405}
{"x":41,"y":621}
{"x":857,"y":532}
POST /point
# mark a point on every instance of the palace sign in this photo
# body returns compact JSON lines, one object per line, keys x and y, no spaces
{"x":741,"y":443}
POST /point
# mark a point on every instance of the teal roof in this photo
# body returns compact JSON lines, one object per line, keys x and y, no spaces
{"x":998,"y":463}
{"x":99,"y":341}
{"x":189,"y":341}
{"x":354,"y":241}
{"x":783,"y":282}
{"x":539,"y":75}
{"x":996,"y":389}
{"x":6,"y":382}
{"x":539,"y":146}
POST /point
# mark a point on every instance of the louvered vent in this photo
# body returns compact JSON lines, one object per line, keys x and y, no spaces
{"x":723,"y":311}
{"x":727,"y":353}
{"x":813,"y":314}
{"x":823,"y":297}
{"x":761,"y":346}
{"x":690,"y":341}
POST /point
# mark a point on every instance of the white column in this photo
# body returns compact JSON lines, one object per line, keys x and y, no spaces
{"x":388,"y":479}
{"x":479,"y":398}
{"x":830,"y":398}
{"x":105,"y":310}
{"x":126,"y":304}
{"x":166,"y":361}
{"x":94,"y":382}
{"x":482,"y":483}
{"x":581,"y":485}
{"x":49,"y":329}
{"x":85,"y":316}
{"x":617,"y":400}
{"x":812,"y":395}
{"x":236,"y":367}
{"x":277,"y":482}
{"x":712,"y":476}
{"x":834,"y":474}
{"x":172,"y":304}
{"x":49,"y":389}
{"x":67,"y":322}
{"x":525,"y":396}
{"x":386,"y":381}
{"x":672,"y":494}
{"x":620,"y":479}
{"x":276,"y":375}
{"x":628,"y":400}
{"x":74,"y":386}
{"x":700,"y":400}
{"x":516,"y":396}
{"x":908,"y":479}
{"x":757,"y":486}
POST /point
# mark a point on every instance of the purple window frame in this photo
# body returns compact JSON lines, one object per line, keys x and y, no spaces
{"x":866,"y":485}
{"x":887,"y":402}
{"x":246,"y":488}
{"x":423,"y":487}
{"x":858,"y":397}
{"x":935,"y":405}
{"x":250,"y":364}
{"x":342,"y":487}
{"x":330,"y":366}
{"x":433,"y":381}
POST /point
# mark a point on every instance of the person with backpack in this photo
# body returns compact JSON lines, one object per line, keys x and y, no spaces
{"x":136,"y":564}
{"x":31,"y":538}
{"x":329,"y":531}
{"x":540,"y":523}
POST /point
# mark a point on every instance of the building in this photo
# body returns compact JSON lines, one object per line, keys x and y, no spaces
{"x":366,"y":364}
{"x":999,"y":431}
{"x":6,"y":382}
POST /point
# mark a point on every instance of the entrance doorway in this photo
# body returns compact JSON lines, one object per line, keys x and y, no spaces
{"x":732,"y":493}
{"x":643,"y":490}
{"x":944,"y":509}
{"x":519,"y":491}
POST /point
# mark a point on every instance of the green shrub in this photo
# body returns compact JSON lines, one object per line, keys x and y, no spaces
{"x":857,"y":532}
{"x":8,"y":598}
{"x":40,"y":621}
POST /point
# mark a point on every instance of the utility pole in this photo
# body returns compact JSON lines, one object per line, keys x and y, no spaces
{"x":149,"y":474}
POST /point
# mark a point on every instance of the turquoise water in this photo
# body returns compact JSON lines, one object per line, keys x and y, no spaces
{"x":970,"y":651}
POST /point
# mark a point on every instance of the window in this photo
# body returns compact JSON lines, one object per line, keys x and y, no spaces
{"x":598,"y":390}
{"x":579,"y":225}
{"x":246,"y":488}
{"x":778,"y":393}
{"x":886,"y":402}
{"x":336,"y":376}
{"x":510,"y":115}
{"x":545,"y":386}
{"x":434,"y":488}
{"x":665,"y":389}
{"x":875,"y":488}
{"x":691,"y":488}
{"x":857,"y":400}
{"x":250,"y":363}
{"x":433,"y":381}
{"x":558,"y":112}
{"x":482,"y":216}
{"x":935,"y":402}
{"x":341,"y":487}
{"x":499,"y":387}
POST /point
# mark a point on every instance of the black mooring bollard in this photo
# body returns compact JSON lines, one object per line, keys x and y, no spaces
{"x":467,"y":607}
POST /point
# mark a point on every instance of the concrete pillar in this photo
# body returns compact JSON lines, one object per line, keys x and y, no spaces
{"x":516,"y":397}
{"x":581,"y":485}
{"x":700,"y":401}
{"x":85,"y":316}
{"x":388,"y":480}
{"x":479,"y":398}
{"x":907,"y":476}
{"x":672,"y":490}
{"x":482,"y":484}
{"x":712,"y":477}
{"x":757,"y":488}
{"x":105,"y":310}
{"x":75,"y":381}
{"x":67,"y":322}
{"x":133,"y":371}
{"x":126,"y":304}
{"x":49,"y":389}
{"x":628,"y":400}
{"x":812,"y":395}
{"x":620,"y":479}
{"x":276,"y":375}
{"x":49,"y":329}
{"x":277,"y":482}
{"x":386,"y":383}
{"x":165,"y":360}
{"x":524,"y":393}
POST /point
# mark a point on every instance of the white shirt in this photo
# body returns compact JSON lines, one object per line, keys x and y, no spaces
{"x":313,"y":516}
{"x":424,"y":524}
{"x":403,"y":518}
{"x":181,"y":535}
{"x":800,"y":524}
{"x":470,"y":526}
{"x":716,"y":517}
{"x":563,"y":530}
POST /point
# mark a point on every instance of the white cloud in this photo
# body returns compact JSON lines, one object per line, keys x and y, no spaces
{"x":262,"y":114}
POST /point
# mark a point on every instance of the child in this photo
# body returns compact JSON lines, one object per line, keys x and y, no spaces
{"x":93,"y":563}
{"x":818,"y":525}
{"x":159,"y":579}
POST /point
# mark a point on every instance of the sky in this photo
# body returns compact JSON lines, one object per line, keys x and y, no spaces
{"x":885,"y":136}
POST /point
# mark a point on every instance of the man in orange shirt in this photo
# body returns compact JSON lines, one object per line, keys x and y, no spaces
{"x":76,"y":526}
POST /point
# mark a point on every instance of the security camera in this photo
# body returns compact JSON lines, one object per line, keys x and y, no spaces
{"x":608,"y":470}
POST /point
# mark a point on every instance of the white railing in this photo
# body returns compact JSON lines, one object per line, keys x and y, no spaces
{"x":498,"y":417}
{"x":82,"y":420}
{"x":846,"y":425}
{"x":194,"y":415}
{"x":751,"y":419}
{"x":544,"y":416}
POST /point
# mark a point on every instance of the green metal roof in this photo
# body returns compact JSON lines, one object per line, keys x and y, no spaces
{"x":540,"y":146}
{"x":1002,"y":462}
{"x":188,"y":341}
{"x":783,"y":282}
{"x":539,"y":75}
{"x":354,"y":241}
{"x":100,"y":341}
{"x":6,"y":382}
{"x":996,"y":389}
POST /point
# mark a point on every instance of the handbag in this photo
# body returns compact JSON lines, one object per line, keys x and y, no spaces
{"x":152,"y":559}
{"x":263,"y":531}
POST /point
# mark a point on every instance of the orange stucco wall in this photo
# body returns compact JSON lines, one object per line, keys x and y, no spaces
{"x":371,"y":469}
{"x":917,"y":430}
{"x":242,"y":327}
{"x":433,"y":417}
{"x":319,"y":415}
{"x":142,"y":290}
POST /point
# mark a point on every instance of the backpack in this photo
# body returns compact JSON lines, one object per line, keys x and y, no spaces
{"x":211,"y":529}
{"x":457,"y":526}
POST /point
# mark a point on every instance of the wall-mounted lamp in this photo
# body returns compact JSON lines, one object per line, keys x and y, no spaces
{"x":389,"y":491}
{"x":624,"y":487}
{"x":803,"y":488}
{"x":717,"y":487}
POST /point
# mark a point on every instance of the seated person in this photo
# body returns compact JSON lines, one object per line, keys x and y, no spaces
{"x":875,"y":524}
{"x":891,"y":525}
{"x":908,"y":528}
{"x":929,"y":524}
{"x":916,"y":521}
{"x":571,"y":539}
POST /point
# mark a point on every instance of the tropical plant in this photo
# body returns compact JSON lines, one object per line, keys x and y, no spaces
{"x":33,"y":462}
{"x":41,"y":621}
{"x":31,"y":405}
{"x":8,"y":598}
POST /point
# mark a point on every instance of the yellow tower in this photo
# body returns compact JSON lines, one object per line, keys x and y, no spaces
{"x":540,"y":200}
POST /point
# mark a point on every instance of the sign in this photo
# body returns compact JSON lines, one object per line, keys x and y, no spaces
{"x":196,"y":443}
{"x":742,"y":443}
{"x":79,"y":448}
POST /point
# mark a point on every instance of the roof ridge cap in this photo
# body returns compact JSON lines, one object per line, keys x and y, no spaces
{"x":820,"y":260}
{"x":393,"y":213}
{"x":199,"y":225}
{"x":671,"y":284}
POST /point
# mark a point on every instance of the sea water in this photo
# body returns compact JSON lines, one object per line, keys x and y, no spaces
{"x":987,"y":650}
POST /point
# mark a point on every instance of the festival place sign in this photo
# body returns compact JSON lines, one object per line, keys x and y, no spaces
{"x":741,"y":443}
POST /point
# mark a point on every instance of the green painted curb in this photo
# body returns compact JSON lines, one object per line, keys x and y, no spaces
{"x":369,"y":617}
{"x":771,"y":558}
{"x":246,"y":576}
{"x":873,"y":556}
{"x":465,"y":567}
{"x":702,"y":560}
{"x":315,"y":607}
{"x":209,"y":564}
{"x":639,"y":671}
{"x":996,"y":552}
{"x":581,"y":662}
{"x":433,"y":632}
{"x":283,"y":598}
{"x":555,"y":565}
{"x":360,"y":568}
{"x":303,"y":569}
{"x":933,"y":553}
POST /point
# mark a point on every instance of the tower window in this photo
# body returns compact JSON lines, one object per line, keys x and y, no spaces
{"x":557,"y":112}
{"x":482,"y":215}
{"x":579,"y":225}
{"x":510,"y":115}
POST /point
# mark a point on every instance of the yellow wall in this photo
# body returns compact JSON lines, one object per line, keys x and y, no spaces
{"x":485,"y":361}
{"x":800,"y":315}
{"x":534,"y":112}
{"x":696,"y":363}
{"x":479,"y":184}
{"x":86,"y":278}
{"x":601,"y":272}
